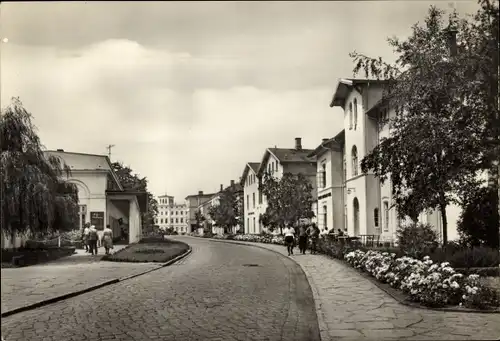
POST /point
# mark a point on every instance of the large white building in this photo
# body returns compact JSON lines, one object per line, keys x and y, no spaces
{"x":171,"y":215}
{"x":347,"y":198}
{"x":276,"y":162}
{"x":102,"y":199}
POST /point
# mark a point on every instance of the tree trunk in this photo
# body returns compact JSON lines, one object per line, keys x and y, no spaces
{"x":442,"y":209}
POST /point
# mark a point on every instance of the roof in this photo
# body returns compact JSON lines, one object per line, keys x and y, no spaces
{"x":254,"y":166}
{"x":345,"y":85}
{"x":330,"y":144}
{"x":165,"y":196}
{"x":86,"y":162}
{"x":200,"y":196}
{"x":286,"y":155}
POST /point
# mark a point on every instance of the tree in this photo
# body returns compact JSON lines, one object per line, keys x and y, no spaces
{"x":198,"y":218}
{"x":436,"y":147}
{"x":35,"y":197}
{"x":478,"y":223}
{"x":289,"y":199}
{"x":132,"y":182}
{"x":226,"y":213}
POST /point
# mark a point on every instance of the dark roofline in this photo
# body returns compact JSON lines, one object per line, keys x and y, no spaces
{"x":201,"y":196}
{"x":330,"y":144}
{"x":108,"y":161}
{"x":343,"y":86}
{"x":269,"y":152}
{"x":245,"y":172}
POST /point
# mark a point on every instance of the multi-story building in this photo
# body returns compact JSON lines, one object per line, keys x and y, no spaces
{"x":204,"y":208}
{"x":368,"y":204}
{"x":276,"y":162}
{"x":331,"y":185}
{"x":192,"y":203}
{"x":171,"y":215}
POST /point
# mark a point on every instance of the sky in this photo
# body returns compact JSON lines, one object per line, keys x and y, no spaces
{"x":189,"y":92}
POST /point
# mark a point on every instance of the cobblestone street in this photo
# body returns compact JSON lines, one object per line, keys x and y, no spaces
{"x":351,"y":307}
{"x":211,"y":295}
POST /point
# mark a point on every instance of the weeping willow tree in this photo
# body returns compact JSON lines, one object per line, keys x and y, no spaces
{"x":35,"y":198}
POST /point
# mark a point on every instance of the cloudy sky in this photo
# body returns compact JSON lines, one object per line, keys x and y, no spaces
{"x":190,"y":91}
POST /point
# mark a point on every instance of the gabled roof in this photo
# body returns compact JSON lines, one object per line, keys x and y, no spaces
{"x":254,"y":166}
{"x":345,"y":85}
{"x":87,"y":162}
{"x":286,"y":155}
{"x":330,"y":144}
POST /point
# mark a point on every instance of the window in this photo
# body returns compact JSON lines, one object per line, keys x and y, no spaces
{"x":254,"y":229}
{"x":83,"y":214}
{"x":324,"y":174}
{"x":350,"y":115}
{"x":375,"y":217}
{"x":182,"y":220}
{"x":276,"y":165}
{"x":355,"y":207}
{"x":248,"y":225}
{"x":248,"y":202}
{"x":272,"y":167}
{"x":355,"y":113}
{"x":260,"y":197}
{"x":176,"y":212}
{"x":253,"y":199}
{"x":386,"y":216}
{"x":177,"y":220}
{"x":171,"y":220}
{"x":325,"y":215}
{"x":345,"y":168}
{"x":161,"y":221}
{"x":354,"y":156}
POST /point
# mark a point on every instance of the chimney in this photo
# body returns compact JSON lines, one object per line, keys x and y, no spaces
{"x":221,"y":187}
{"x":200,"y":192}
{"x":452,"y":41}
{"x":298,"y":143}
{"x":60,"y":150}
{"x":232,"y":183}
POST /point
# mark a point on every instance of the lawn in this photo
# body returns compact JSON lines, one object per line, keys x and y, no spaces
{"x":149,"y":250}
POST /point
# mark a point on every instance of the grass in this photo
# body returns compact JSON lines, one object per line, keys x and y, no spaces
{"x":149,"y":250}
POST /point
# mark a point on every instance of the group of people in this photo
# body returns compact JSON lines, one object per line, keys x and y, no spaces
{"x":91,"y":240}
{"x":303,"y":233}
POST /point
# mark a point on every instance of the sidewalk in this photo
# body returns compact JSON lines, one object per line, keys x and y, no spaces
{"x":351,"y":307}
{"x":32,"y":284}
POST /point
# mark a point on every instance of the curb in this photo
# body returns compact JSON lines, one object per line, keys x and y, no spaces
{"x":92,"y":288}
{"x":388,"y":290}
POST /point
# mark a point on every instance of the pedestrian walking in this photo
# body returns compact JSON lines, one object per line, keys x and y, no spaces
{"x":93,"y":240}
{"x":107,"y":239}
{"x":302,"y":239}
{"x":85,"y":237}
{"x":313,"y":232}
{"x":289,"y":239}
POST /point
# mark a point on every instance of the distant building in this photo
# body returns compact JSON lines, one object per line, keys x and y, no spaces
{"x":192,"y":203}
{"x":171,"y":215}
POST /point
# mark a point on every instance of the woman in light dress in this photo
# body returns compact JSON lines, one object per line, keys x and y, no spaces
{"x":107,"y":239}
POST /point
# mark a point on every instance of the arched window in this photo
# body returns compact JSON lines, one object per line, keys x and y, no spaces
{"x":354,"y":156}
{"x":355,"y":113}
{"x":350,"y":115}
{"x":355,"y":207}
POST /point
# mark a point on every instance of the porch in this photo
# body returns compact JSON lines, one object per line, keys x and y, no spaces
{"x":124,"y":214}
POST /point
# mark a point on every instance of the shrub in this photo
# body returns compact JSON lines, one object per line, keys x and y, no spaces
{"x":478,"y":223}
{"x":464,"y":257}
{"x":414,"y":239}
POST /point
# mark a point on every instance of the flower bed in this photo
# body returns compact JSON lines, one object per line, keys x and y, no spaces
{"x":149,"y":249}
{"x":430,"y":284}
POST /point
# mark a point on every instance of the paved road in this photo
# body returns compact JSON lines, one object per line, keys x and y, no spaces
{"x":210,"y":295}
{"x":32,"y":284}
{"x":350,"y":307}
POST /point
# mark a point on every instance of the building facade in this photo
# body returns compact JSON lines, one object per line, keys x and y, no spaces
{"x":171,"y":215}
{"x":101,"y":197}
{"x":368,"y":204}
{"x":276,"y":162}
{"x":192,"y":203}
